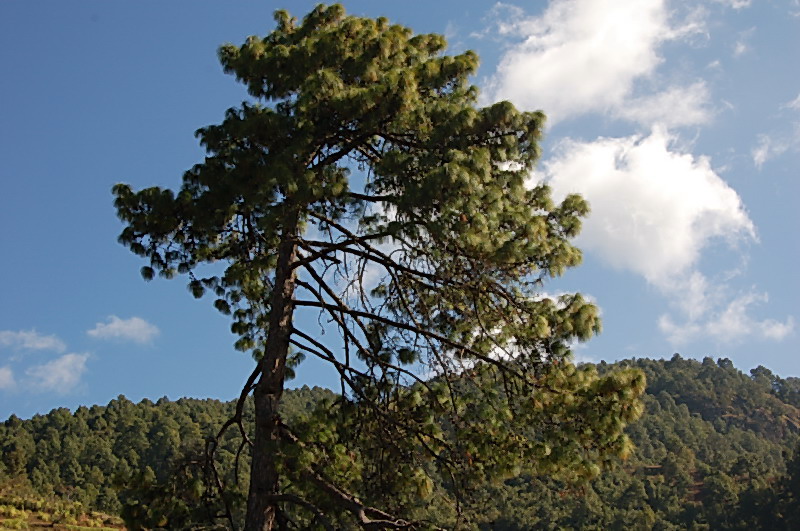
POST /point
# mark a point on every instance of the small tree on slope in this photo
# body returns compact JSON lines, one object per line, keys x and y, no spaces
{"x":367,"y":186}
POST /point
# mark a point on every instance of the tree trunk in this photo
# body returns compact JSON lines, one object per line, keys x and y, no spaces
{"x":262,"y":511}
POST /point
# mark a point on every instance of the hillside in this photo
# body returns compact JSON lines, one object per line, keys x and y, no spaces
{"x":22,"y":508}
{"x":712,"y":449}
{"x":712,"y":453}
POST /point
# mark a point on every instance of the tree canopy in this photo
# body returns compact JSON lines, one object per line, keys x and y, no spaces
{"x":362,"y":181}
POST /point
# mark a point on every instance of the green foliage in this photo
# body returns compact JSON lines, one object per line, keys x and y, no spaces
{"x":14,"y":523}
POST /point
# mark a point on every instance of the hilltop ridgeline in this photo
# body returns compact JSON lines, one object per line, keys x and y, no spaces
{"x":715,"y":449}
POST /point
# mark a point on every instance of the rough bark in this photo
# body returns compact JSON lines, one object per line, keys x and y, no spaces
{"x":262,"y":510}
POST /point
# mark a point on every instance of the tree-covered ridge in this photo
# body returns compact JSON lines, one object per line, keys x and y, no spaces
{"x":95,"y":453}
{"x":712,"y":451}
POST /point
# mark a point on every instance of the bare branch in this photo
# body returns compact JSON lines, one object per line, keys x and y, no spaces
{"x":237,"y":418}
{"x":209,"y":456}
{"x":331,"y":247}
{"x":297,"y":500}
{"x":383,"y":258}
{"x":397,"y":324}
{"x":372,"y":198}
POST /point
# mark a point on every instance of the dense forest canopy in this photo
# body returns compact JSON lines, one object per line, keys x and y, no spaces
{"x":713,"y":450}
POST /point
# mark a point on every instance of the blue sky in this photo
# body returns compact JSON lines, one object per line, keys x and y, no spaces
{"x":679,"y":121}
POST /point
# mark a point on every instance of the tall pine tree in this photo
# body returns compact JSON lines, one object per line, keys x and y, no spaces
{"x":365,"y":184}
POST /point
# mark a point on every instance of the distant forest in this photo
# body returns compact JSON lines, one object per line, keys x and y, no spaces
{"x":715,"y":449}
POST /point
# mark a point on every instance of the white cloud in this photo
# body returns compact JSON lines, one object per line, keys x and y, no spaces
{"x":579,"y":357}
{"x":30,"y":340}
{"x":735,"y":322}
{"x":777,"y":143}
{"x":741,"y":46}
{"x":60,"y":375}
{"x":584,"y":56}
{"x":697,"y":297}
{"x":735,"y":4}
{"x":765,"y":150}
{"x":134,"y":329}
{"x":674,"y":107}
{"x":6,"y":378}
{"x":502,"y":19}
{"x":776,"y":330}
{"x":653,"y":209}
{"x":728,"y":323}
{"x":771,"y":146}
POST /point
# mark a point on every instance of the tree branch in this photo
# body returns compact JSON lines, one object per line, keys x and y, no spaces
{"x":372,"y":198}
{"x":384,"y":259}
{"x":368,"y":517}
{"x":410,"y":328}
{"x":297,"y":500}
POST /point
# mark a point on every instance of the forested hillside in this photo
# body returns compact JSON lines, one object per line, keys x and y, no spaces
{"x":713,"y":451}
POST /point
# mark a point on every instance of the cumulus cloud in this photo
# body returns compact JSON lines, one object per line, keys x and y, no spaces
{"x":6,"y":378}
{"x":134,"y":329}
{"x":60,"y":375}
{"x":30,"y":340}
{"x":653,"y":209}
{"x":584,"y":56}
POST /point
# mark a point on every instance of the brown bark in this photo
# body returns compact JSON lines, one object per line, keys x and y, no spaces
{"x":262,"y":510}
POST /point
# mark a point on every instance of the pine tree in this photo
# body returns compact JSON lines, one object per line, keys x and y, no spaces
{"x":364,"y":183}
